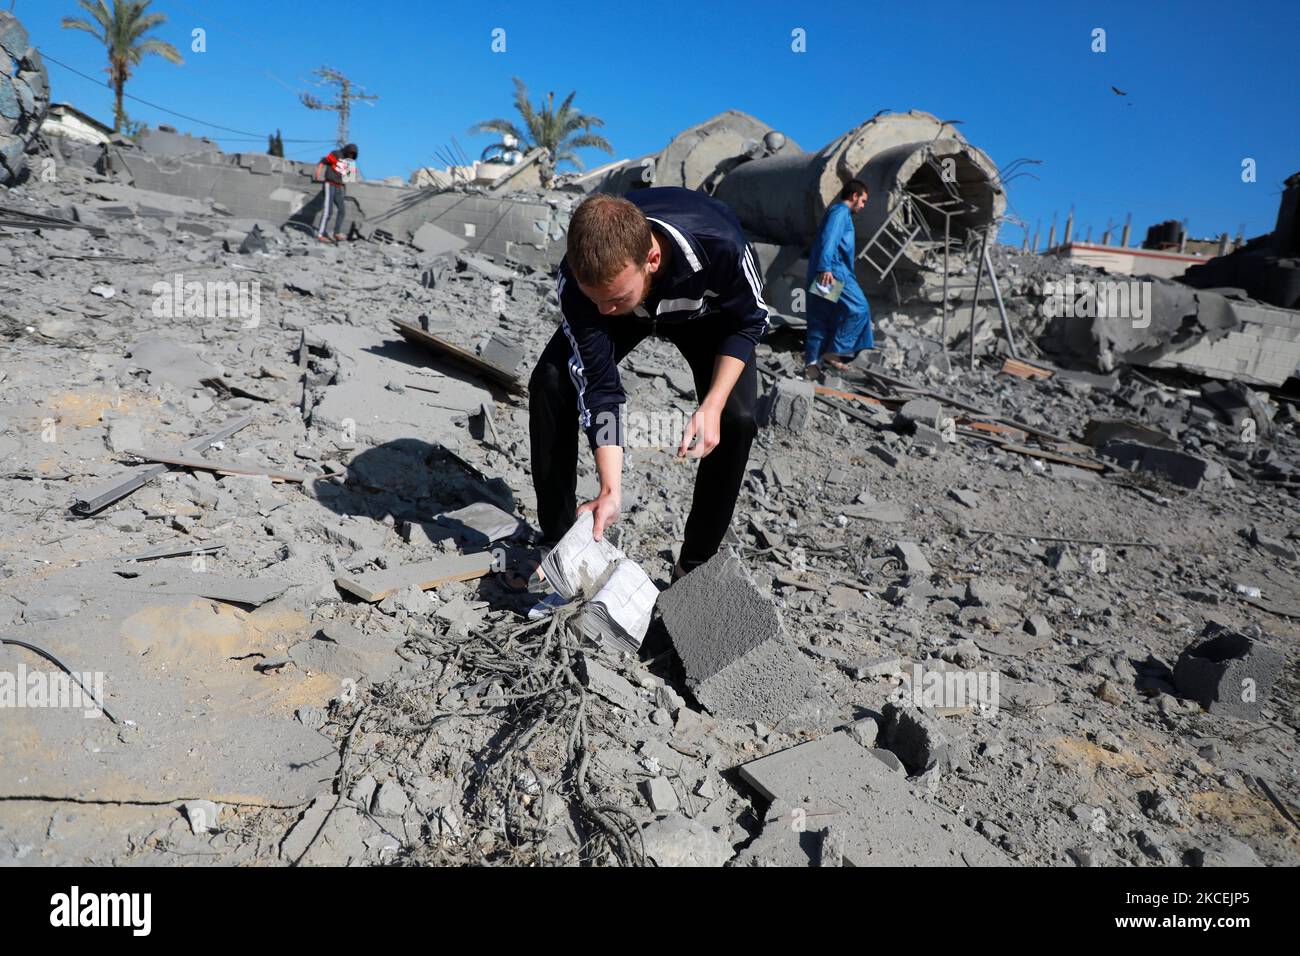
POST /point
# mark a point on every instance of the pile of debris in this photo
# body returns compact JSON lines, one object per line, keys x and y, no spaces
{"x":271,"y":500}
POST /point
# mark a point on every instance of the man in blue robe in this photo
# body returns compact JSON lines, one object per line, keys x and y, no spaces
{"x":837,"y":331}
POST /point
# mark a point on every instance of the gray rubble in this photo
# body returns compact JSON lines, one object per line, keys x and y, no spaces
{"x":335,"y":667}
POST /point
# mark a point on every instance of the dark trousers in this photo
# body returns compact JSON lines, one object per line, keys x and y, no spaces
{"x":553,"y":433}
{"x":334,"y":205}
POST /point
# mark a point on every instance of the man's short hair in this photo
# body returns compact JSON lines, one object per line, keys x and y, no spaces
{"x":852,"y":188}
{"x":606,"y":233}
{"x":349,"y":151}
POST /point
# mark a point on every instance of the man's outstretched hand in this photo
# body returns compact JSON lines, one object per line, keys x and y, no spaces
{"x":604,"y":512}
{"x":705,"y":427}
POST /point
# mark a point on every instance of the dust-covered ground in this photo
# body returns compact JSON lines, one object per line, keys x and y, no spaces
{"x":263,"y":715}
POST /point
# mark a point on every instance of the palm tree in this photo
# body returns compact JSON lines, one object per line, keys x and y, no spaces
{"x":121,"y":31}
{"x":558,"y":131}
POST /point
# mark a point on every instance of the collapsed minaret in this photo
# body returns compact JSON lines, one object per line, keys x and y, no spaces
{"x":919,"y":171}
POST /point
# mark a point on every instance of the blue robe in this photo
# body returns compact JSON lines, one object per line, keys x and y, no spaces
{"x":836,"y":328}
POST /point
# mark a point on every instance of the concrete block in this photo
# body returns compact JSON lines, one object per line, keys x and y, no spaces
{"x":353,"y":532}
{"x":615,"y":688}
{"x":920,"y":411}
{"x":912,"y":558}
{"x":981,"y":592}
{"x":435,"y":240}
{"x":660,"y":795}
{"x":677,"y":841}
{"x":1228,"y":672}
{"x":790,"y":403}
{"x":488,"y":269}
{"x":738,"y":660}
{"x":503,"y":352}
{"x":1176,"y":467}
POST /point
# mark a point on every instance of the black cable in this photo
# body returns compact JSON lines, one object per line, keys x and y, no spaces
{"x":192,"y":119}
{"x":37,"y":649}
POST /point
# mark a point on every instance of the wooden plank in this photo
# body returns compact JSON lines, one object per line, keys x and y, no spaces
{"x":995,"y":428}
{"x":835,"y":392}
{"x":221,"y":467}
{"x":376,"y":585}
{"x":457,"y":355}
{"x":1053,"y":456}
{"x":1021,"y":369}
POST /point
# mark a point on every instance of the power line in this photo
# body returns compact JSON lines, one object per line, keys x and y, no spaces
{"x":186,"y":116}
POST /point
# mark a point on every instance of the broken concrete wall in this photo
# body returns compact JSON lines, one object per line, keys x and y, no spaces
{"x":24,"y":95}
{"x":524,"y":228}
{"x":1264,"y":349}
{"x":1219,"y":334}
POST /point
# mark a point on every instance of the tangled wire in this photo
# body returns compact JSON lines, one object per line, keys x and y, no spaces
{"x":532,"y":673}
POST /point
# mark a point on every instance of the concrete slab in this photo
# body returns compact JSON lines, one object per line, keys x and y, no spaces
{"x":377,"y":585}
{"x":871,"y":807}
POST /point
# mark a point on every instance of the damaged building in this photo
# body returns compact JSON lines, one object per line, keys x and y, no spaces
{"x":273,"y":499}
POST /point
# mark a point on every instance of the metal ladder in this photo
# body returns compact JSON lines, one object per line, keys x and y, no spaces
{"x":906,"y":220}
{"x":903,"y":224}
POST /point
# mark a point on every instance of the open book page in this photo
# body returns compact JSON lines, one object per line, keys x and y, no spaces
{"x":578,"y":561}
{"x":625,"y":602}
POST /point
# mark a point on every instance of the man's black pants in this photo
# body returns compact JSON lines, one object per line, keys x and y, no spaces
{"x":553,"y":433}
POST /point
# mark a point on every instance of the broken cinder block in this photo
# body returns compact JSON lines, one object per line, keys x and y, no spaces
{"x":1228,"y":672}
{"x":739,"y":662}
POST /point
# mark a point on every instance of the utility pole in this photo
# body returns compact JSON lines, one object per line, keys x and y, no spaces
{"x":343,"y":106}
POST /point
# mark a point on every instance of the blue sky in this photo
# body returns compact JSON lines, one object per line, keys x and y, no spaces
{"x":1208,"y":84}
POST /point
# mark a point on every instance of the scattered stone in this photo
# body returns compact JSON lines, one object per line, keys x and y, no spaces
{"x":913,"y":560}
{"x":790,"y":404}
{"x":660,"y":794}
{"x":915,"y":738}
{"x":865,"y":731}
{"x":964,"y":496}
{"x":51,"y":607}
{"x":675,"y":840}
{"x":202,"y":815}
{"x":921,"y":411}
{"x":390,"y":800}
{"x":1038,"y":626}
